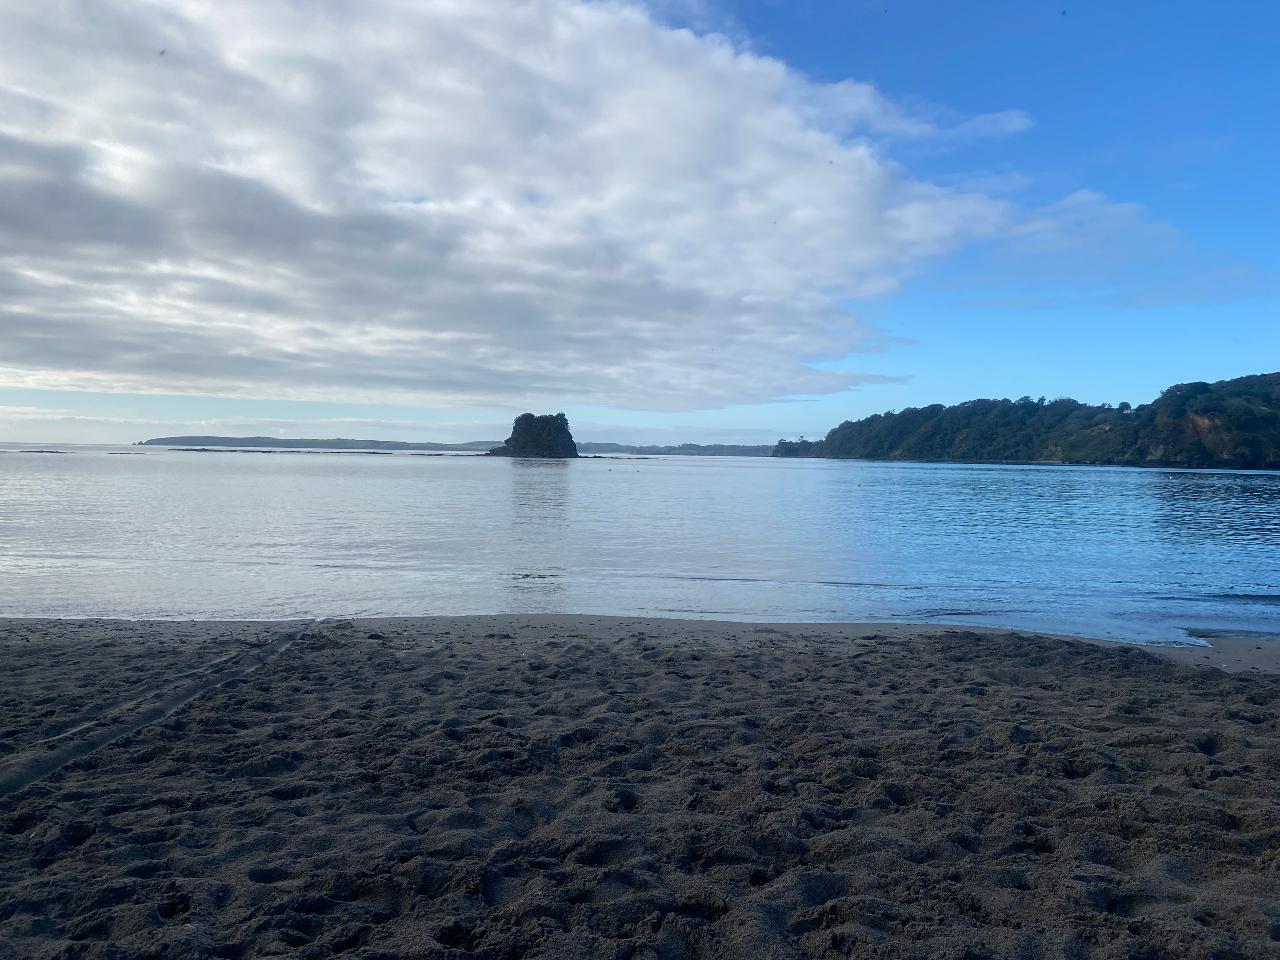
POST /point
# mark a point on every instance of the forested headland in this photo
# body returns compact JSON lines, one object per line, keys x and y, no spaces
{"x":1231,"y":423}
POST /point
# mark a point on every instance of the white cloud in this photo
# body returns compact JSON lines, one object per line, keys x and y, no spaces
{"x":451,"y":203}
{"x":1089,"y":249}
{"x":1088,"y":222}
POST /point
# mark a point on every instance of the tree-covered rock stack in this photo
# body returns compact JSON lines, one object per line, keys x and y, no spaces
{"x":545,"y":436}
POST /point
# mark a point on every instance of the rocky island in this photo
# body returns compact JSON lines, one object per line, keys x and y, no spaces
{"x":546,"y":437}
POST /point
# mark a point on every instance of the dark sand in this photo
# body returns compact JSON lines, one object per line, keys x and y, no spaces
{"x":546,"y":787}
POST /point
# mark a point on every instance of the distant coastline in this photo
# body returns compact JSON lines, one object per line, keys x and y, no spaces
{"x":474,"y":446}
{"x":682,"y":450}
{"x":337,"y":443}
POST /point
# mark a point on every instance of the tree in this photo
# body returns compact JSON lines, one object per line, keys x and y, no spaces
{"x":545,"y":436}
{"x":1233,"y":423}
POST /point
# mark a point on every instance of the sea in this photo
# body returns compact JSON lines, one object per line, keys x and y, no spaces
{"x":1144,"y":555}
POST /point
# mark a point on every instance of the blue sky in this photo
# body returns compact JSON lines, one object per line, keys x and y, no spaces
{"x":1169,"y":105}
{"x":1088,"y":190}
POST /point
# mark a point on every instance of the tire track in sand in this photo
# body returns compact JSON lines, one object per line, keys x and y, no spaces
{"x":132,"y":715}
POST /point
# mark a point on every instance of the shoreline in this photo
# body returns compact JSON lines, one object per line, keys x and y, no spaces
{"x":1231,"y":651}
{"x":9,"y":447}
{"x":1042,"y":463}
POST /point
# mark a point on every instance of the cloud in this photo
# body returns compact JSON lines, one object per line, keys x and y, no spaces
{"x":447,"y":203}
{"x":1088,"y":224}
{"x":1087,"y":251}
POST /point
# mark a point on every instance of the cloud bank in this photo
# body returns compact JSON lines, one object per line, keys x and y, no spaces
{"x":452,"y":203}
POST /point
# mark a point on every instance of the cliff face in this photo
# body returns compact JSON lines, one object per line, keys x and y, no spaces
{"x":545,"y":437}
{"x":1232,"y":423}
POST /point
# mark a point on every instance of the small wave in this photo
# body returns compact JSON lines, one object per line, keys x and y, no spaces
{"x":710,"y":578}
{"x":938,"y":614}
{"x":1248,"y":597}
{"x":1205,"y":633}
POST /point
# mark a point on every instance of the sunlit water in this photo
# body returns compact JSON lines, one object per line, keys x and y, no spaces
{"x":1138,"y":554}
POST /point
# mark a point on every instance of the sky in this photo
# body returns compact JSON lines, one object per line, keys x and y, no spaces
{"x":682,"y":220}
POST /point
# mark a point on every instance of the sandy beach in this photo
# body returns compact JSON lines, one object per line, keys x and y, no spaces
{"x":583,"y":787}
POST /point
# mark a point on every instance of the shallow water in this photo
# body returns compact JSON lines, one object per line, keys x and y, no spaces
{"x":1138,"y":554}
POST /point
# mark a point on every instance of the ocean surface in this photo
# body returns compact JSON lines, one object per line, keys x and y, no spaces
{"x":1144,"y":555}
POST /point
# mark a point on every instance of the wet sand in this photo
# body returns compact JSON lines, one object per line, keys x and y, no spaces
{"x":546,"y":787}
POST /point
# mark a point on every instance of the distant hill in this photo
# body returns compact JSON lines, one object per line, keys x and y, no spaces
{"x":680,"y":450}
{"x":477,"y":446}
{"x":1231,"y":423}
{"x":278,"y":443}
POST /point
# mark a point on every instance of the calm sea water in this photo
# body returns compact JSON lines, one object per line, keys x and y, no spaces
{"x":1139,"y":554}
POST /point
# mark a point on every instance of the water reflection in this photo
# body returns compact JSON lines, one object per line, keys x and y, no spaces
{"x":1232,"y":508}
{"x":538,"y":530}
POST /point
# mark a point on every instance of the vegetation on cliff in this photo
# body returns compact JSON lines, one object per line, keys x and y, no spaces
{"x":545,"y":436}
{"x":1232,"y":423}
